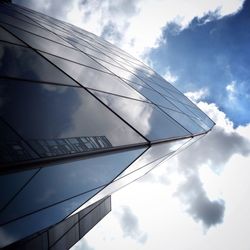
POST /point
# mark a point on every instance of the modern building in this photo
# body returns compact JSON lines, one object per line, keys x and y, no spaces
{"x":79,"y":119}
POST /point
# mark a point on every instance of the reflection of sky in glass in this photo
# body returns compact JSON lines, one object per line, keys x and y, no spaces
{"x":24,"y":63}
{"x":37,"y":221}
{"x":93,"y":78}
{"x":146,"y":118}
{"x":63,"y":181}
{"x":39,"y":113}
{"x":150,"y":159}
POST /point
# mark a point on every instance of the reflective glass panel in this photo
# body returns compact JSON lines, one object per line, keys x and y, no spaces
{"x":5,"y":11}
{"x":149,"y":160}
{"x":202,"y":117}
{"x":21,"y":26}
{"x":24,"y":63}
{"x":6,"y":36}
{"x":63,"y":181}
{"x":154,"y":96}
{"x":146,"y":118}
{"x":12,"y":147}
{"x":95,"y":79}
{"x":58,"y":120}
{"x":35,"y":222}
{"x":185,"y":121}
{"x":10,"y":184}
{"x":56,"y":49}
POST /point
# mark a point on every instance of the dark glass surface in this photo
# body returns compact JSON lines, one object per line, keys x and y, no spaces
{"x":63,"y":181}
{"x":35,"y":222}
{"x":45,"y":113}
{"x":5,"y":10}
{"x":45,"y":45}
{"x":6,"y":36}
{"x":185,"y":121}
{"x":12,"y":147}
{"x":21,"y":25}
{"x":95,"y":79}
{"x":10,"y":184}
{"x":20,"y":62}
{"x":146,"y":118}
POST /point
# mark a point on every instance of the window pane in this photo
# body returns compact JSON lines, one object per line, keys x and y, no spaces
{"x":9,"y":13}
{"x":63,"y":181}
{"x":12,"y":147}
{"x":154,"y":96}
{"x":24,"y":63}
{"x":21,"y":25}
{"x":95,"y":79}
{"x":6,"y":36}
{"x":35,"y":222}
{"x":185,"y":121}
{"x":146,"y":118}
{"x":58,"y":120}
{"x":10,"y":184}
{"x":149,"y":160}
{"x":55,"y":48}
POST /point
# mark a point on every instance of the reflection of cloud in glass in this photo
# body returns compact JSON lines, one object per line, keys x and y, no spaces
{"x":100,"y":121}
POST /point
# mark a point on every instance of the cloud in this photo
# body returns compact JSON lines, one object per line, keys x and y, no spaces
{"x":56,"y":8}
{"x":136,"y":26}
{"x":169,"y":76}
{"x":197,"y":95}
{"x":198,"y":204}
{"x":82,"y":245}
{"x":130,"y":225}
{"x":212,"y":51}
{"x":213,"y":151}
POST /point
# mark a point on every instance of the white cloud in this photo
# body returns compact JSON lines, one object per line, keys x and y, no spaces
{"x":136,"y":26}
{"x":231,"y":91}
{"x":169,"y":76}
{"x":130,"y":225}
{"x":197,"y":95}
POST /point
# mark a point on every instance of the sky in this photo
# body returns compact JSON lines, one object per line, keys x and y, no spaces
{"x":198,"y":199}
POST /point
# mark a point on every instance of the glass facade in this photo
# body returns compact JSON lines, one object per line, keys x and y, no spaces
{"x":79,"y":119}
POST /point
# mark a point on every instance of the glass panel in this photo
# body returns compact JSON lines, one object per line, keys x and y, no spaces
{"x":95,"y":79}
{"x":146,"y":118}
{"x":185,"y":121}
{"x":12,"y":147}
{"x":13,"y":14}
{"x":35,"y":222}
{"x":58,"y":120}
{"x":56,"y":49}
{"x":182,"y":107}
{"x":10,"y":184}
{"x":21,"y":26}
{"x":154,"y":96}
{"x":152,"y":158}
{"x":202,"y":117}
{"x":6,"y":36}
{"x":24,"y":63}
{"x":63,"y":181}
{"x":155,"y":152}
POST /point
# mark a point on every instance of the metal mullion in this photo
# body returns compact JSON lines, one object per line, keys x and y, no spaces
{"x":20,"y":13}
{"x":74,"y":196}
{"x":37,"y":81}
{"x":179,"y":122}
{"x":118,"y":95}
{"x":69,"y":60}
{"x":37,"y":35}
